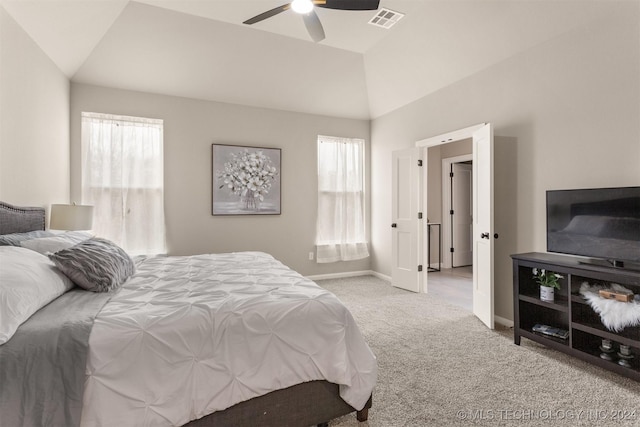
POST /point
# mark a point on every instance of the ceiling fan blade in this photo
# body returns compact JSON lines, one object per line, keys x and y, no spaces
{"x":314,"y":27}
{"x":348,"y":4}
{"x":268,"y":14}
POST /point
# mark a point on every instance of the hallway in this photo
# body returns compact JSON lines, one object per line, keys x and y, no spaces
{"x":454,"y":285}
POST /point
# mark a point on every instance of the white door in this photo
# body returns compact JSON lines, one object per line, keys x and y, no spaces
{"x":483,"y":230}
{"x":406,"y":241}
{"x":462,"y":217}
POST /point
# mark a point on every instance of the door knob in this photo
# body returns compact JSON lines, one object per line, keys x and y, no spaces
{"x":484,"y":235}
{"x":394,"y":225}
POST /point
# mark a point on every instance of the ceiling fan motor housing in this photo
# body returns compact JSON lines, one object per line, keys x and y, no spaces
{"x":350,"y":4}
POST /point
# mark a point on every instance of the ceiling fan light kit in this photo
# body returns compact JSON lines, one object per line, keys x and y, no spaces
{"x":311,"y":20}
{"x":302,"y":6}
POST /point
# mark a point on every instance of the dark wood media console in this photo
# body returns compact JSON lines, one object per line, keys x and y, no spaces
{"x":570,"y":311}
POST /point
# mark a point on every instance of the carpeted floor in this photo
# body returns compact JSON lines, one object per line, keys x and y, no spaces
{"x":440,"y":366}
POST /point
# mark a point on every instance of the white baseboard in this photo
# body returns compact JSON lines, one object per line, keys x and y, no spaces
{"x":341,"y":275}
{"x":502,"y":321}
{"x":381,"y":276}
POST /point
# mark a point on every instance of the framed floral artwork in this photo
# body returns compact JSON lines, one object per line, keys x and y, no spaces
{"x":246,"y":180}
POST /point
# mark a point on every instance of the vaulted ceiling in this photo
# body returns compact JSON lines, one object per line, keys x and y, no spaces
{"x":200,"y":48}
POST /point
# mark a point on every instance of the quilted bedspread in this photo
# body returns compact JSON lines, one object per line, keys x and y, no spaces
{"x":187,"y":336}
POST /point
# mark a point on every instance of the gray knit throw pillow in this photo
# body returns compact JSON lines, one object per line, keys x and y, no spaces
{"x":97,"y":265}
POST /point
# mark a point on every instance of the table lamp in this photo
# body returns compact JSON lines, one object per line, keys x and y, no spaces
{"x":71,"y":217}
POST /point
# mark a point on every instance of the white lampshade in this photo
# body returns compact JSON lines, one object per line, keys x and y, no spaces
{"x":71,"y":217}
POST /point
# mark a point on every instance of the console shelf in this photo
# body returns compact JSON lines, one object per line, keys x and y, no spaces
{"x":571,"y":312}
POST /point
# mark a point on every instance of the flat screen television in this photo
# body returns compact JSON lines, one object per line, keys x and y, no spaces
{"x":599,"y":223}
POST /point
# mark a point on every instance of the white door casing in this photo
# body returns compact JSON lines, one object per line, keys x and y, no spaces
{"x":462,"y":217}
{"x":406,"y":226}
{"x":483,"y":227}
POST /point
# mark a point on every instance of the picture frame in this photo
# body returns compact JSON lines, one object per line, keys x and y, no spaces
{"x":246,"y":180}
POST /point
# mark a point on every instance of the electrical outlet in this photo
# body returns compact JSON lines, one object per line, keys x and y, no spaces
{"x":310,"y":256}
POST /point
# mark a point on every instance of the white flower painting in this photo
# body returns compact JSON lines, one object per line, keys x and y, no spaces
{"x":246,"y":180}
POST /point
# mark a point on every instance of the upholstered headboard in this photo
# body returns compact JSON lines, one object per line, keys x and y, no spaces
{"x":16,"y":219}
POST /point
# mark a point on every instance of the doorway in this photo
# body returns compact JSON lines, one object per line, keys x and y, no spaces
{"x":457,"y":206}
{"x":460,"y":214}
{"x":454,"y":282}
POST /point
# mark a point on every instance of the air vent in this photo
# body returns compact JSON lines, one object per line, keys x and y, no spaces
{"x":386,"y":18}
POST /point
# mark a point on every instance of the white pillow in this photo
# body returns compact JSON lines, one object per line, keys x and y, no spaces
{"x":56,"y":243}
{"x":28,"y":282}
{"x":14,"y":239}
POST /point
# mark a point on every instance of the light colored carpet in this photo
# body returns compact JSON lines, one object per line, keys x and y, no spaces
{"x":440,"y":366}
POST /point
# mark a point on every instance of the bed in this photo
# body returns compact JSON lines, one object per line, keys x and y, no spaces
{"x":265,"y":384}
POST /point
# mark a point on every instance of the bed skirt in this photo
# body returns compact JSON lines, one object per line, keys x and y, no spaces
{"x":305,"y":404}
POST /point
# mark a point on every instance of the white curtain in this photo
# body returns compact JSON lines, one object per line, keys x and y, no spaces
{"x":340,"y":227}
{"x":122,"y":177}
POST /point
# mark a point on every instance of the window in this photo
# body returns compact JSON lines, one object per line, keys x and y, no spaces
{"x":122,"y":177}
{"x":340,"y":227}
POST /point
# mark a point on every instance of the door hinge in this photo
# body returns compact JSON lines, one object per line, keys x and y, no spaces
{"x":420,"y":268}
{"x":419,"y":215}
{"x":451,"y":174}
{"x":419,"y":162}
{"x":451,"y":250}
{"x":451,"y":212}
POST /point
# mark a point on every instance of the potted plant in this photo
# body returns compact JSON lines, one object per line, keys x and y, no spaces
{"x":548,"y":281}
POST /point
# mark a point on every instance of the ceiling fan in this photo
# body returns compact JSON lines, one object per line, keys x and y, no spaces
{"x":311,"y":20}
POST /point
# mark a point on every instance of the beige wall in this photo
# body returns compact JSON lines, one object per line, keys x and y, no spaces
{"x":34,"y":122}
{"x":434,"y":185}
{"x":190,"y":127}
{"x":566,"y":115}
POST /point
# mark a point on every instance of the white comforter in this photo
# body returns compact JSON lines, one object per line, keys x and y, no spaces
{"x":187,"y":336}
